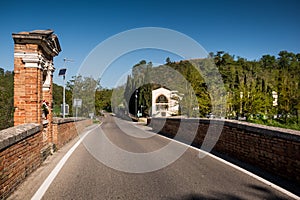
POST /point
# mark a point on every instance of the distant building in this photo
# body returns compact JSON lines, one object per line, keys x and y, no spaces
{"x":165,"y":103}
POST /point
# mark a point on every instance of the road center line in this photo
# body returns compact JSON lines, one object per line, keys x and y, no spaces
{"x":44,"y":187}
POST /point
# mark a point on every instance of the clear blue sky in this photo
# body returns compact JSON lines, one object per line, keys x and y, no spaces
{"x":243,"y":28}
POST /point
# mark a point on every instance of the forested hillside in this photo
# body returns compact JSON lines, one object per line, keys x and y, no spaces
{"x":250,"y":87}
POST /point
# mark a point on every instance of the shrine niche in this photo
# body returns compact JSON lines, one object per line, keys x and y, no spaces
{"x":164,"y":103}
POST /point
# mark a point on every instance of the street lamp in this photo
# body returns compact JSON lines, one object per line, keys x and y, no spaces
{"x":142,"y":110}
{"x":136,"y":96}
{"x":62,"y":72}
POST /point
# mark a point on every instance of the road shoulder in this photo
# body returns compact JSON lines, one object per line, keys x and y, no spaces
{"x":33,"y":182}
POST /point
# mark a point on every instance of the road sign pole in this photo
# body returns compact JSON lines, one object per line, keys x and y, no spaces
{"x":76,"y":111}
{"x":64,"y":98}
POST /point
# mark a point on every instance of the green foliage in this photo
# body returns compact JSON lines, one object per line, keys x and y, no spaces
{"x":249,"y":86}
{"x":83,"y":88}
{"x":276,"y":123}
{"x":103,"y":100}
{"x":58,"y":99}
{"x":137,"y":94}
{"x":6,"y":99}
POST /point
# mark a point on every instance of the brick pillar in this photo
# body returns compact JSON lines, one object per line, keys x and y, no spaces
{"x":33,"y":68}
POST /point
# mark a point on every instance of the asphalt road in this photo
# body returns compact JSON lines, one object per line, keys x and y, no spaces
{"x":84,"y":176}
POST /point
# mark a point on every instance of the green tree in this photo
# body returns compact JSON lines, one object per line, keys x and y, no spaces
{"x":168,"y":60}
{"x":249,"y":86}
{"x":84,"y":88}
{"x":57,"y":99}
{"x":6,"y":99}
{"x":268,"y":61}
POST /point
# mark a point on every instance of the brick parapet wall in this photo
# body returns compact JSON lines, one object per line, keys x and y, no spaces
{"x":23,"y":148}
{"x":67,"y":129}
{"x":19,"y":156}
{"x":272,"y":149}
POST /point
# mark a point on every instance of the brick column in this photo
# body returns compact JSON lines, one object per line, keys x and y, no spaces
{"x":33,"y":68}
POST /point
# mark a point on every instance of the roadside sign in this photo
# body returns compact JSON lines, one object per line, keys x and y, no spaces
{"x":77,"y":103}
{"x":66,"y":109}
{"x":91,"y":115}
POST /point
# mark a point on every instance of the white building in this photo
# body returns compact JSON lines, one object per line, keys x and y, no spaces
{"x":165,"y":103}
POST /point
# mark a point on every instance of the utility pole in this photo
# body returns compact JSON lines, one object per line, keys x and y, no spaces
{"x":136,"y":107}
{"x":62,"y":72}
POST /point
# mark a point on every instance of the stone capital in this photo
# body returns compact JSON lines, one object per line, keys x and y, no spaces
{"x":43,"y":38}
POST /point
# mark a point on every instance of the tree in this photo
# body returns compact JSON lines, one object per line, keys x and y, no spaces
{"x":58,"y":99}
{"x":6,"y":99}
{"x":129,"y":95}
{"x":219,"y":59}
{"x":227,"y":59}
{"x":103,"y":100}
{"x":249,"y":86}
{"x":145,"y":91}
{"x":84,"y":88}
{"x":268,"y":61}
{"x":168,"y":60}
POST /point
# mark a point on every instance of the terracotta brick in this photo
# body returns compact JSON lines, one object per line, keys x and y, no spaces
{"x":22,"y":157}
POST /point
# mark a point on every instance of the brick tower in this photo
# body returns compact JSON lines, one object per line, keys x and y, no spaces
{"x":33,"y":69}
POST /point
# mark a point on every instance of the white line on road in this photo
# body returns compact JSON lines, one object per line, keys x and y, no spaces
{"x":284,"y":191}
{"x":44,"y":187}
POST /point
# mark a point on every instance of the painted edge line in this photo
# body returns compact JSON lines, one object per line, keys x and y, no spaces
{"x":282,"y":190}
{"x":44,"y":187}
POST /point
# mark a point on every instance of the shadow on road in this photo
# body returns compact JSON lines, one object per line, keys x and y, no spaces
{"x":255,"y":192}
{"x":281,"y":182}
{"x":291,"y":186}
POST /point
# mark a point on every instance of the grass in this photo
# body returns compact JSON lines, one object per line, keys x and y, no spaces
{"x":96,"y":121}
{"x":275,"y":123}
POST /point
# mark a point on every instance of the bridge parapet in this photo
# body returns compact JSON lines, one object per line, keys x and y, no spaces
{"x":23,"y":148}
{"x":66,"y":129}
{"x":275,"y":150}
{"x":20,"y":154}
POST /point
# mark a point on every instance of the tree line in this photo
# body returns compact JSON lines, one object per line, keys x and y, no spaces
{"x":250,"y":89}
{"x":265,"y":91}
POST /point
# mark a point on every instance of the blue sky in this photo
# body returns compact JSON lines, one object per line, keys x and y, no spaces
{"x":243,"y":28}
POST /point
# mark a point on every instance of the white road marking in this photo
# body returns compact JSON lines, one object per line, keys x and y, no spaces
{"x":284,"y":191}
{"x":44,"y":187}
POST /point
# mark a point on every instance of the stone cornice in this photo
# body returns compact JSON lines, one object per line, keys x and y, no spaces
{"x":44,"y":38}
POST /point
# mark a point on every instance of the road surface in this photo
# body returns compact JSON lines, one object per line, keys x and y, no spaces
{"x":83,"y":176}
